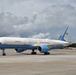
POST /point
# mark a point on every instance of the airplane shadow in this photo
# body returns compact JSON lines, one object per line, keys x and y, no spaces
{"x":43,"y":54}
{"x":29,"y":54}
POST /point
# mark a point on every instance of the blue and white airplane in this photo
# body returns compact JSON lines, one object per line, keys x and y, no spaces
{"x":22,"y":44}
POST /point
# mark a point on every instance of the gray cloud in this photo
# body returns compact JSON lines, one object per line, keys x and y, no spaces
{"x":42,"y":35}
{"x":7,"y":23}
{"x":42,"y":16}
{"x":57,"y":15}
{"x":51,"y":20}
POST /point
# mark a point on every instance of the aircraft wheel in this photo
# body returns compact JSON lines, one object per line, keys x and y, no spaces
{"x":46,"y":53}
{"x":33,"y":53}
{"x":4,"y":54}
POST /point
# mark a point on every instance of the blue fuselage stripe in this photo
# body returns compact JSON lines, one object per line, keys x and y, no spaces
{"x":16,"y":46}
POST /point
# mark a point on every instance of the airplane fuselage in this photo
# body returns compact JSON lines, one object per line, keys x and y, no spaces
{"x":29,"y":41}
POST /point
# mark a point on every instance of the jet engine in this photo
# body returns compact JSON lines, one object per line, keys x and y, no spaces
{"x":43,"y":48}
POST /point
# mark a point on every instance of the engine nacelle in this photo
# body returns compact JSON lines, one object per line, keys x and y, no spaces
{"x":43,"y":48}
{"x":19,"y":50}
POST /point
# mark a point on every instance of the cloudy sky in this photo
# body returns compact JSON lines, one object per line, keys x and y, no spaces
{"x":38,"y":18}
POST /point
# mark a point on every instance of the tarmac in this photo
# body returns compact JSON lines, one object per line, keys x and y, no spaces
{"x":59,"y":62}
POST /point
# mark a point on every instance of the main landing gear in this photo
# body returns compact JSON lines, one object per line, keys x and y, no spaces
{"x":3,"y":52}
{"x":47,"y":53}
{"x":33,"y":53}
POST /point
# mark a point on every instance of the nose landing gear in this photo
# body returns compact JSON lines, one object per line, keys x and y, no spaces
{"x":3,"y":52}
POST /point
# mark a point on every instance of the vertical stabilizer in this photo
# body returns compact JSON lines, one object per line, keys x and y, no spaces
{"x":64,"y":36}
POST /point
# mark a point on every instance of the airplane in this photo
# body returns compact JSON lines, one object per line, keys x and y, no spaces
{"x":23,"y":44}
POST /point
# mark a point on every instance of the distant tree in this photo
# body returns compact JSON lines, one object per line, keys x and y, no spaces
{"x":72,"y":45}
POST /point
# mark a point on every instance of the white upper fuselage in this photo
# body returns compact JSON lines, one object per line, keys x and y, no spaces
{"x":29,"y":41}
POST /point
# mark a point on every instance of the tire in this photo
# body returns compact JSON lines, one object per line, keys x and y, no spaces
{"x":4,"y":54}
{"x":46,"y":53}
{"x":33,"y":53}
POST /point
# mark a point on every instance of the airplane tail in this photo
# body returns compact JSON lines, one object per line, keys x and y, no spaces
{"x":64,"y":36}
